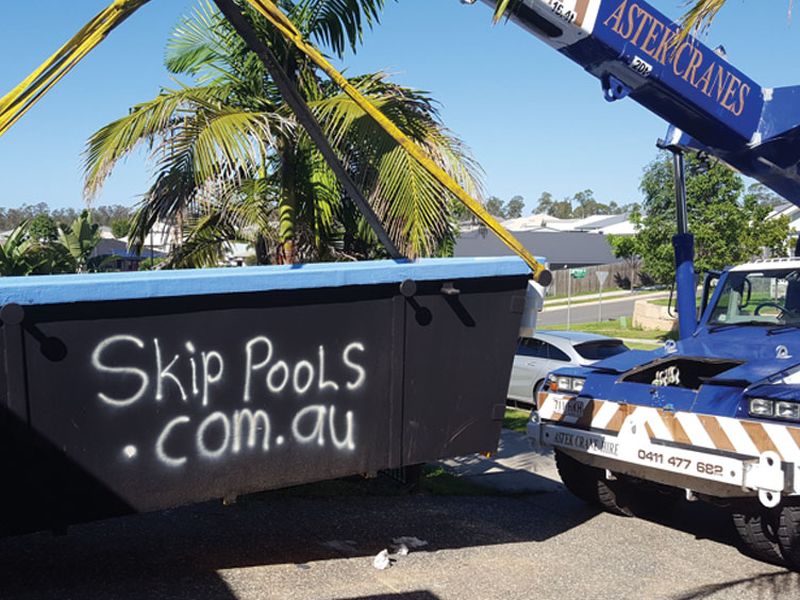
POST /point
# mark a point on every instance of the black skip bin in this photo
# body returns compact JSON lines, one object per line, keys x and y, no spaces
{"x":136,"y":392}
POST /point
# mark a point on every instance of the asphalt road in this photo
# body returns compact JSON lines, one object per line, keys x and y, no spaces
{"x":508,"y":545}
{"x":588,"y":313}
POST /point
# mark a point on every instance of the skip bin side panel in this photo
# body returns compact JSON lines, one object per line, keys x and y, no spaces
{"x":459,"y":353}
{"x":176,"y":400}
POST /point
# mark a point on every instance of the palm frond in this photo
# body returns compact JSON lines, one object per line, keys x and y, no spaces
{"x":337,"y":24}
{"x":699,"y":17}
{"x":145,"y":123}
{"x":210,"y":236}
{"x":413,"y":206}
{"x":504,"y":8}
{"x":249,"y":206}
{"x":198,"y":42}
{"x":232,"y":142}
{"x":410,"y":202}
{"x":173,"y":191}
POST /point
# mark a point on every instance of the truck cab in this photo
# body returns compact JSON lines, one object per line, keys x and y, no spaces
{"x":714,"y":416}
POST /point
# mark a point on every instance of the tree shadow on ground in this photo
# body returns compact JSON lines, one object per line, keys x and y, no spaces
{"x":178,"y":553}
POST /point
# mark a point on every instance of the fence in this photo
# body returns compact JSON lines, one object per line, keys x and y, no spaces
{"x":619,"y":277}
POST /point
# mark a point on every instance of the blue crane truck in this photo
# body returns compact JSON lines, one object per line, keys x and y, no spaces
{"x":715,"y":416}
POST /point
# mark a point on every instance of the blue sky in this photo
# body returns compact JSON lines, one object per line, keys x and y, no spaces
{"x":533,"y":119}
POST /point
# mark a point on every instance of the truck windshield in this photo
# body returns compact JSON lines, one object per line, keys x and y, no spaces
{"x":768,"y":297}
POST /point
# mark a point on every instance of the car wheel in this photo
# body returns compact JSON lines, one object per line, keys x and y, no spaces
{"x":590,"y":485}
{"x":758,"y":532}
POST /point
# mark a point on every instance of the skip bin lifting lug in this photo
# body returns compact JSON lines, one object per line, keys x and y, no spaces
{"x":408,"y":288}
{"x":448,"y":289}
{"x":12,"y":314}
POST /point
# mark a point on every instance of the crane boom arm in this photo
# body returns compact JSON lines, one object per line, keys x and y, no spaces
{"x":711,"y":105}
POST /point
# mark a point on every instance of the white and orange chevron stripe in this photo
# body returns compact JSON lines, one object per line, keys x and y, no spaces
{"x":739,"y":436}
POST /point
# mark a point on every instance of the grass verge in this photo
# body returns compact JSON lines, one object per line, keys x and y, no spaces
{"x":613,"y":329}
{"x":516,"y":420}
{"x":666,"y":302}
{"x":437,"y":481}
{"x":642,"y":346}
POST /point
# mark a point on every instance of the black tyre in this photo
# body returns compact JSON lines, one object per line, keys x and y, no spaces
{"x":789,"y":536}
{"x":758,"y":534}
{"x":590,"y":485}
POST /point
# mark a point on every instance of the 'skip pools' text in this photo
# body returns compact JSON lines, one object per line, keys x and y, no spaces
{"x":194,"y":378}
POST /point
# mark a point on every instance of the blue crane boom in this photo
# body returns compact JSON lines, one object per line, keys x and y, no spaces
{"x":709,"y":103}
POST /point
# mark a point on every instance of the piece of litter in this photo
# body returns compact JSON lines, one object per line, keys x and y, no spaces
{"x":402,"y":550}
{"x":410,"y":541}
{"x":381,"y":560}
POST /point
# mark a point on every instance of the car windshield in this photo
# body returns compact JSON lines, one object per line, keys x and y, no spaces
{"x":763,"y":298}
{"x":600,"y":349}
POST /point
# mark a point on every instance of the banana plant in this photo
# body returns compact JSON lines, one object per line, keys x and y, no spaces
{"x":18,"y":255}
{"x":79,"y":241}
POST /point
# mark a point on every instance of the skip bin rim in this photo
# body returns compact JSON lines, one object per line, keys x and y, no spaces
{"x":94,"y":287}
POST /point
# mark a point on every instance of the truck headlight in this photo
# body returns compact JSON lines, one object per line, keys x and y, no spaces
{"x":761,"y":407}
{"x":777,"y":409}
{"x":562,"y":383}
{"x":787,"y":410}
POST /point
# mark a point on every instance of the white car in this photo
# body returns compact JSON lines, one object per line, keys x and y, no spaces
{"x":547,"y":351}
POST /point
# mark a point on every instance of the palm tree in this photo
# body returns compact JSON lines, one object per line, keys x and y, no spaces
{"x":232,"y":163}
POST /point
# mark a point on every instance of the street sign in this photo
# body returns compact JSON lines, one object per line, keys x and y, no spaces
{"x":601,"y":277}
{"x":577,"y":273}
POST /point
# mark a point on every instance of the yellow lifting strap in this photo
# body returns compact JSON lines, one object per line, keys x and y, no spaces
{"x":17,"y":102}
{"x":279,"y":20}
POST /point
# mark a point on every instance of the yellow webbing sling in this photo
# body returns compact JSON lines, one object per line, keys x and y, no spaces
{"x":17,"y":102}
{"x":279,"y":20}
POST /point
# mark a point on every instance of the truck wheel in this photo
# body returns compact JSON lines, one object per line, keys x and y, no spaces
{"x":758,"y":533}
{"x":590,"y":485}
{"x":789,"y":536}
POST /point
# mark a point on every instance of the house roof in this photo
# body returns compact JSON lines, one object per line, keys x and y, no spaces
{"x":112,"y":247}
{"x":561,"y":247}
{"x":549,"y":223}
